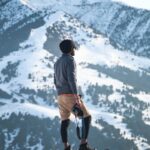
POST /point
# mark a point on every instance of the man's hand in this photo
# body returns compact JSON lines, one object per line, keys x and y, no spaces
{"x":77,"y":99}
{"x":77,"y":110}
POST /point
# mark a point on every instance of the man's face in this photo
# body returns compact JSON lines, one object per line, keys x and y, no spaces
{"x":72,"y":52}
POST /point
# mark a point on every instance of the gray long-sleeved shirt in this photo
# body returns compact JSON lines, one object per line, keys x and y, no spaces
{"x":65,"y":75}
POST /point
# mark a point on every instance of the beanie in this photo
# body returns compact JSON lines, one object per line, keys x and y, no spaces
{"x":66,"y":46}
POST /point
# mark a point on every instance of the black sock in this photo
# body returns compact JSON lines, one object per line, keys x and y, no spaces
{"x":86,"y":126}
{"x":64,"y":127}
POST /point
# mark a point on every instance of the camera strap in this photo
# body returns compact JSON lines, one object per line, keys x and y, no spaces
{"x":80,"y":130}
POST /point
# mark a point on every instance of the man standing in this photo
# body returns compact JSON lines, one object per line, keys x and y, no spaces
{"x":66,"y":85}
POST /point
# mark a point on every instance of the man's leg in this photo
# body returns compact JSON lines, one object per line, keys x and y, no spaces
{"x":63,"y":130}
{"x":85,"y":128}
{"x":65,"y":115}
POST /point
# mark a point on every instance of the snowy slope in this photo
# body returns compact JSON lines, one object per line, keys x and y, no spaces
{"x":126,"y":27}
{"x":17,"y":13}
{"x":114,"y":83}
{"x":34,"y":125}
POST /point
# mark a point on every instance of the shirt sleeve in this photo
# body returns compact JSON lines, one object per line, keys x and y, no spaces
{"x":54,"y":79}
{"x":54,"y":76}
{"x":71,"y":76}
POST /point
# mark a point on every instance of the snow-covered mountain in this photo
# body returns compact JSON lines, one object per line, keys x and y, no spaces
{"x":113,"y":72}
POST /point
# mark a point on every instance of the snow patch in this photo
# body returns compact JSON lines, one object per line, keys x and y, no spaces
{"x":28,"y":108}
{"x":142,"y":96}
{"x":142,"y":4}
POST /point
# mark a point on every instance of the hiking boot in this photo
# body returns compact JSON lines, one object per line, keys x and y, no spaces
{"x":68,"y":148}
{"x":85,"y":147}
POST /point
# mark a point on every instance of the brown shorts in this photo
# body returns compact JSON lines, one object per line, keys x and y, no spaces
{"x":66,"y":102}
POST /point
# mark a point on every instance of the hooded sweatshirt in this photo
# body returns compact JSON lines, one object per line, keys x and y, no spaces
{"x":65,"y":75}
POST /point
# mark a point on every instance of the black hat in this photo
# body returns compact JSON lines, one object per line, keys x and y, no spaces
{"x":67,"y":46}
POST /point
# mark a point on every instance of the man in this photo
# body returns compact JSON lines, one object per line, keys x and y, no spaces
{"x":66,"y":85}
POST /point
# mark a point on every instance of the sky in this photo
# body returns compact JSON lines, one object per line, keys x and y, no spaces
{"x":145,"y":4}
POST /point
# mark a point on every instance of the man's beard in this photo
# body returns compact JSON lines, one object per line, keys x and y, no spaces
{"x":72,"y":53}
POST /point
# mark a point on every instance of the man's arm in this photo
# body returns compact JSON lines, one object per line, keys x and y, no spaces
{"x":54,"y":79}
{"x":54,"y":76}
{"x":72,"y":79}
{"x":71,"y":75}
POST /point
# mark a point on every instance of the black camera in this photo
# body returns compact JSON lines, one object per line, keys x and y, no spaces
{"x":77,"y":110}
